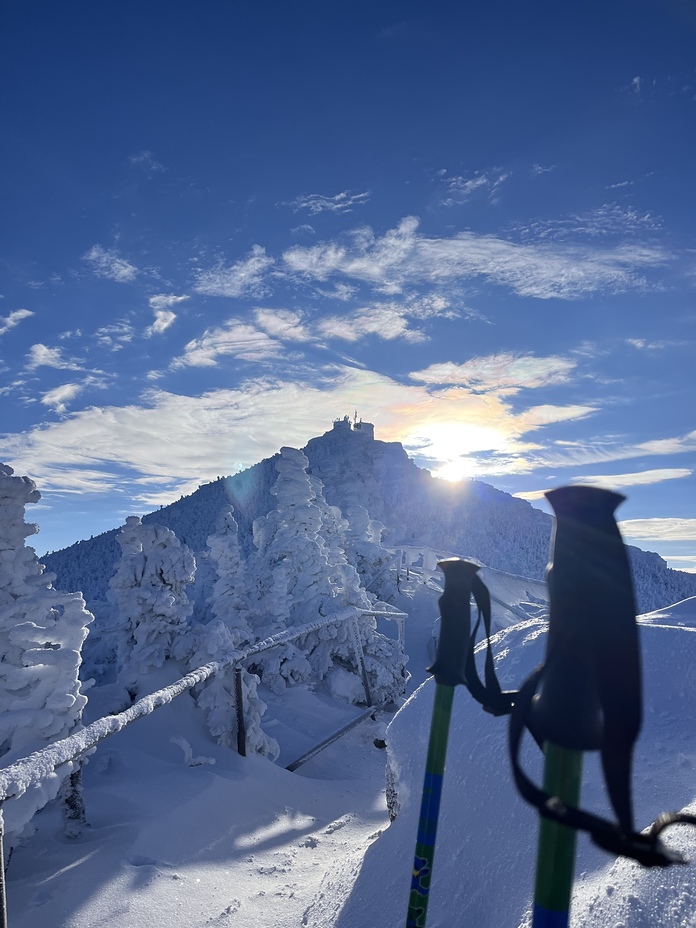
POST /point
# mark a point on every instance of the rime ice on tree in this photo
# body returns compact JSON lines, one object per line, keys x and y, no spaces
{"x":220,"y":638}
{"x":41,"y":635}
{"x":149,"y":591}
{"x":301,"y":572}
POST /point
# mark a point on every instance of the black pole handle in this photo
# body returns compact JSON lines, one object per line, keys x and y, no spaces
{"x":449,"y":667}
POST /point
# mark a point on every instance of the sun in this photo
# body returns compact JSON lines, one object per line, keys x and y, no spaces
{"x":452,"y":447}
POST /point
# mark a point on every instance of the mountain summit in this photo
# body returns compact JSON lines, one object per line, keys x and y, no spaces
{"x":359,"y":471}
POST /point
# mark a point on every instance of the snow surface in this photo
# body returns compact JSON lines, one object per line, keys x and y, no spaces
{"x":241,"y":842}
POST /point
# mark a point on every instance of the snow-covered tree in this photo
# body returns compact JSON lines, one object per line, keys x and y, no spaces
{"x":302,"y":573}
{"x":217,"y":698}
{"x":149,"y":591}
{"x":41,"y":636}
{"x":365,"y":549}
{"x":229,"y":601}
{"x":217,"y":640}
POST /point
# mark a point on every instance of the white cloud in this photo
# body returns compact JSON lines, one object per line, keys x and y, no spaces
{"x":460,"y":188}
{"x":578,"y":453}
{"x":15,"y":317}
{"x":542,"y":270}
{"x":245,"y":277}
{"x":283,"y":324}
{"x":685,"y":562}
{"x":388,"y":321}
{"x":642,"y":478}
{"x":540,"y":169}
{"x":235,"y":339}
{"x":340,"y":203}
{"x":642,"y":344}
{"x":146,"y":162}
{"x":619,"y":481}
{"x":115,"y":335}
{"x":610,"y":220}
{"x":163,"y":319}
{"x":166,"y":300}
{"x":504,"y":373}
{"x":660,"y":529}
{"x":164,"y":316}
{"x":530,"y":495}
{"x":60,"y":396}
{"x":106,"y":262}
{"x":185,"y":440}
{"x":42,"y":356}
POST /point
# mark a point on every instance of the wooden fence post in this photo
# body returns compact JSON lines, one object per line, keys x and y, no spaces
{"x":239,"y":706}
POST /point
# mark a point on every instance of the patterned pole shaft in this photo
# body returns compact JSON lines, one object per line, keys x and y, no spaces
{"x":556,"y":849}
{"x":430,"y":807}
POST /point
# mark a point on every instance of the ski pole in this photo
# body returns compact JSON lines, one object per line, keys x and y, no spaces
{"x":587,"y":702}
{"x":556,"y":850}
{"x":448,"y":670}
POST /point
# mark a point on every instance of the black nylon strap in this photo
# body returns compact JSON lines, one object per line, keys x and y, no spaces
{"x":489,"y":695}
{"x":646,"y":847}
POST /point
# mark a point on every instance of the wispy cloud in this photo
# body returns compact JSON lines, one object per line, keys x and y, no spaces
{"x":315,"y":203}
{"x":619,"y":481}
{"x":164,"y":316}
{"x":146,"y":162}
{"x":244,"y":278}
{"x":284,"y":324}
{"x":58,"y":398}
{"x":644,"y":344}
{"x":538,"y":169}
{"x":388,"y":321}
{"x":235,"y":339}
{"x":641,"y":478}
{"x":607,"y":221}
{"x":543,"y":270}
{"x":660,"y":529}
{"x":461,"y":188}
{"x":504,"y":374}
{"x":178,"y":438}
{"x":115,"y":335}
{"x":579,"y":453}
{"x":106,"y":262}
{"x":42,"y":356}
{"x":14,"y":318}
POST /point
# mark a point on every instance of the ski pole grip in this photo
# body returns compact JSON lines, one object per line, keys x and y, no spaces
{"x":455,"y":621}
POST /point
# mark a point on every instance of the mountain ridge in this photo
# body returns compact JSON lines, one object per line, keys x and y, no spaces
{"x":471,"y":517}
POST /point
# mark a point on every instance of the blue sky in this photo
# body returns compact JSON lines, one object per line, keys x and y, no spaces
{"x":227,"y":224}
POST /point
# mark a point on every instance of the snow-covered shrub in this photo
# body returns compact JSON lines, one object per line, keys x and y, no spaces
{"x":41,"y":636}
{"x":149,"y":591}
{"x":217,"y":697}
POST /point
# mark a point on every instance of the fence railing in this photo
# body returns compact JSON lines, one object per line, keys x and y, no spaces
{"x":30,"y":771}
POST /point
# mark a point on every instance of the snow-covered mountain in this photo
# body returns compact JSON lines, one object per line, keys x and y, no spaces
{"x":469,"y":518}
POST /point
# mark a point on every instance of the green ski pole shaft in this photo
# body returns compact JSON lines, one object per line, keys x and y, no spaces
{"x":448,"y":670}
{"x":430,"y":807}
{"x":556,"y":850}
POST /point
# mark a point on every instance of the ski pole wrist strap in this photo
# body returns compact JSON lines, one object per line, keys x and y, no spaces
{"x":644,"y":847}
{"x":489,"y":693}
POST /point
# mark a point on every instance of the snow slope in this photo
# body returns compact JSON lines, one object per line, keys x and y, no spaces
{"x":244,"y":843}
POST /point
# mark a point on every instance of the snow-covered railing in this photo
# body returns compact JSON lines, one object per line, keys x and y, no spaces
{"x":32,"y":770}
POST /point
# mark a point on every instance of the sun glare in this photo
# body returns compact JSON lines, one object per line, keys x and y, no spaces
{"x":451,"y":446}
